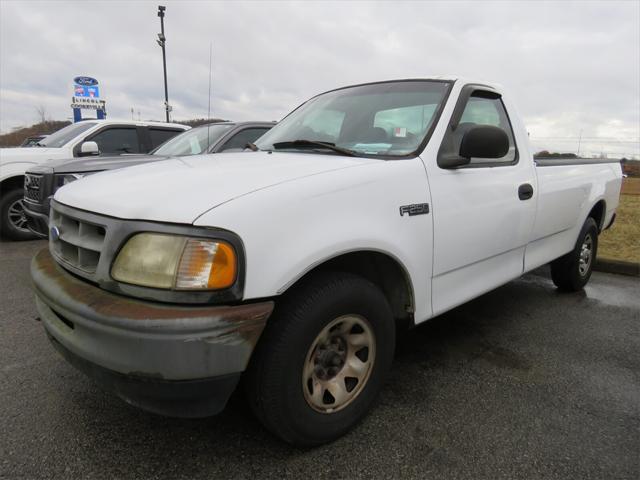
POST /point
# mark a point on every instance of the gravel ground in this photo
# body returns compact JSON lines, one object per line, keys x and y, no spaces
{"x":523,"y":382}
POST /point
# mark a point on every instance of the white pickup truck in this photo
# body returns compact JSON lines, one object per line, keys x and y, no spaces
{"x":367,"y":209}
{"x":83,"y":139}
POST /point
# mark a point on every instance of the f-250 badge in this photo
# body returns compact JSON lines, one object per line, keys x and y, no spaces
{"x":414,"y":209}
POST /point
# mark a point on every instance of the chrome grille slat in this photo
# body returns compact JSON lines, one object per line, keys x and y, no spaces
{"x":87,"y":242}
{"x":32,"y":187}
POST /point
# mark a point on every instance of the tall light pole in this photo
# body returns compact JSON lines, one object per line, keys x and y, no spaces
{"x":161,"y":41}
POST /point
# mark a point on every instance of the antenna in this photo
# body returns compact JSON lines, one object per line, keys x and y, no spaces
{"x":209,"y":104}
{"x":210,"y":56}
{"x":579,"y":142}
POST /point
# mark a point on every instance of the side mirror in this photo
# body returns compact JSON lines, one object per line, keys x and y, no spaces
{"x":484,"y":142}
{"x":89,"y":148}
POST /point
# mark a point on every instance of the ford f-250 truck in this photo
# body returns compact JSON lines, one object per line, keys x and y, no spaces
{"x":82,"y":139}
{"x":367,"y":209}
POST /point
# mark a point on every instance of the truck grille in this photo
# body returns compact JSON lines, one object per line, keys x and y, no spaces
{"x":32,"y":187}
{"x":75,"y":241}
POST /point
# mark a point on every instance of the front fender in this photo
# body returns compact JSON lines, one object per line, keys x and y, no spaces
{"x":14,"y":169}
{"x":318,"y":258}
{"x":289,"y":229}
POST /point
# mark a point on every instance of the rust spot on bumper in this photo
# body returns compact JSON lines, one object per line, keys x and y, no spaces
{"x":58,"y":288}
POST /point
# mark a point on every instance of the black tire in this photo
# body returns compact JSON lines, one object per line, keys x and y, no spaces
{"x":568,"y":273}
{"x":9,"y":228}
{"x":274,"y":380}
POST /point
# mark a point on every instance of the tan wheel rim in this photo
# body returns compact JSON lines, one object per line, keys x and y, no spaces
{"x":338,"y":363}
{"x":586,"y":254}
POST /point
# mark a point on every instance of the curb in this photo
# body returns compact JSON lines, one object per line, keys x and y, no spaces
{"x":617,"y":266}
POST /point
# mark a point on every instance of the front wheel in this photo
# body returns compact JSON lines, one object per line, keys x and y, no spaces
{"x":572,"y":271}
{"x":13,"y":220}
{"x":322,"y":359}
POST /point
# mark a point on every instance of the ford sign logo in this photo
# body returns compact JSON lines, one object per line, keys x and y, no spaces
{"x":85,"y":81}
{"x":54,"y":233}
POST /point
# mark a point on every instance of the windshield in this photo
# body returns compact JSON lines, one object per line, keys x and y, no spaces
{"x":194,"y":141}
{"x":383,"y":119}
{"x":65,"y":135}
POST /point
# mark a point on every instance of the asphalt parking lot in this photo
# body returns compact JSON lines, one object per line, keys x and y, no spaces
{"x":523,"y":382}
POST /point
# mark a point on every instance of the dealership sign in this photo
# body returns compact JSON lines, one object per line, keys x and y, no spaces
{"x":87,"y":103}
{"x":85,"y":81}
{"x":86,"y":96}
{"x":90,"y":92}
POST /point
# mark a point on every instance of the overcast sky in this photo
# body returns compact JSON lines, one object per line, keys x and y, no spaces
{"x":572,"y":66}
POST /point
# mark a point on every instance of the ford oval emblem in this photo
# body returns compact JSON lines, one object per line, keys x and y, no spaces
{"x":85,"y":81}
{"x":54,"y":233}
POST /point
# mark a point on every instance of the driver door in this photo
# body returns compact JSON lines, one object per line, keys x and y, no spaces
{"x":481,"y":226}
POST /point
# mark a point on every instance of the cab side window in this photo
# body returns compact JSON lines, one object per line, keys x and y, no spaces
{"x":116,"y":141}
{"x":486,"y":111}
{"x":483,"y":108}
{"x":240,"y":139}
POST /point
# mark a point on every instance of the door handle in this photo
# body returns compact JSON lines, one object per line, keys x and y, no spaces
{"x":525,"y":191}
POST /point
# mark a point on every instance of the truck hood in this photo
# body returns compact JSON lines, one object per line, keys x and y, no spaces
{"x":98,"y":164}
{"x":29,"y":155}
{"x":179,"y":190}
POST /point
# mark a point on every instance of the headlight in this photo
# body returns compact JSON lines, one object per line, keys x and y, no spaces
{"x":176,"y":262}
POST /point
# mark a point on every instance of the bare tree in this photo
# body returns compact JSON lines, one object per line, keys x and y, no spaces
{"x":41,"y":110}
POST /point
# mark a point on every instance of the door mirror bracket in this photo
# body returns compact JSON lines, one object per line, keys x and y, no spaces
{"x":452,"y":161}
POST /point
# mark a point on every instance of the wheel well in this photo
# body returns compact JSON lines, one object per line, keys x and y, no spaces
{"x":11,"y":183}
{"x":597,"y":213}
{"x":385,"y":272}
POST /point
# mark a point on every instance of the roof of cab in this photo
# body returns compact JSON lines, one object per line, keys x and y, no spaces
{"x":257,"y":123}
{"x":139,"y":123}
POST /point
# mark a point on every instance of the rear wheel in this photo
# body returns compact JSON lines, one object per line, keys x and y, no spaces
{"x":572,"y":271}
{"x":13,"y":220}
{"x":322,"y":359}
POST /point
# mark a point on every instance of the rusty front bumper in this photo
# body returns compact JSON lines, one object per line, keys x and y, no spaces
{"x":144,"y":343}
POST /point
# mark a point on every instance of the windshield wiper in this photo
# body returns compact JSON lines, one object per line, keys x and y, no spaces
{"x":314,"y":144}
